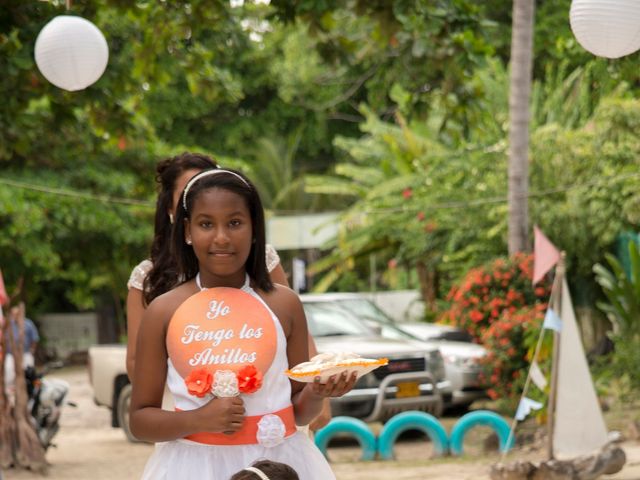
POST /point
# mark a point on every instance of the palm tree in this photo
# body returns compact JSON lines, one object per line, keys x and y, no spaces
{"x":279,"y":181}
{"x":519,"y":95}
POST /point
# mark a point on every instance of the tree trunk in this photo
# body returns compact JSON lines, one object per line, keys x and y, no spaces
{"x":7,"y":422}
{"x":428,"y":285}
{"x":29,"y":452}
{"x":519,"y":95}
{"x":108,"y":325}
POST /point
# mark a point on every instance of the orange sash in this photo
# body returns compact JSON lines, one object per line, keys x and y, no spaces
{"x":247,"y":435}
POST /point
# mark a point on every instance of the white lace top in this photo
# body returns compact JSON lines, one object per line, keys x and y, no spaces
{"x":140,"y":271}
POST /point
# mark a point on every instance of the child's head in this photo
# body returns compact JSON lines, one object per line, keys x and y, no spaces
{"x":266,"y":470}
{"x":221,"y":200}
{"x":172,"y":175}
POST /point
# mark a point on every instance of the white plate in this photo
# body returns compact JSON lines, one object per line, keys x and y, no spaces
{"x":324,"y":372}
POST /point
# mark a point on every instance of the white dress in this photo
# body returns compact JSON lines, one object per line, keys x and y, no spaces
{"x":140,"y":272}
{"x":188,"y":460}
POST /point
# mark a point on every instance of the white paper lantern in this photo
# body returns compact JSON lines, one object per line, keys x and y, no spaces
{"x":606,"y":28}
{"x":71,"y":52}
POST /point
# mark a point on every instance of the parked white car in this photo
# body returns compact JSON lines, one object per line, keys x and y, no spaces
{"x":363,"y":309}
{"x":461,"y":355}
{"x":414,"y":378}
{"x":461,"y":358}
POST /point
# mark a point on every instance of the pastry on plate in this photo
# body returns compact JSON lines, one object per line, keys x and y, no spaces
{"x":326,"y":364}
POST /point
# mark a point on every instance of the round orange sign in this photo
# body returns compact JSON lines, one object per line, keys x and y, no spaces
{"x":221,"y":329}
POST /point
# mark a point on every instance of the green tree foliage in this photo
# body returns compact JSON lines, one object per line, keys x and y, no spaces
{"x":181,"y":76}
{"x":410,"y":200}
{"x":64,"y":158}
{"x":622,"y":306}
{"x":278,"y":174}
{"x":587,"y":179}
{"x":622,"y":292}
{"x":393,"y":111}
{"x":230,"y":84}
{"x":428,"y":49}
{"x":583,"y":171}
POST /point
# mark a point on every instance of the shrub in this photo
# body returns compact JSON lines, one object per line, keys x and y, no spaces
{"x":623,"y":309}
{"x":485,"y":293}
{"x":498,"y":305}
{"x":510,"y":341}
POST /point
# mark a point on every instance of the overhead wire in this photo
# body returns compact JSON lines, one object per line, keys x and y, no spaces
{"x":437,"y":206}
{"x":76,"y":193}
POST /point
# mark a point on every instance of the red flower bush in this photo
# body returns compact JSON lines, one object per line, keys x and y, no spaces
{"x":509,"y":341}
{"x":498,"y":306}
{"x":199,"y":382}
{"x":485,"y":293}
{"x":249,"y":379}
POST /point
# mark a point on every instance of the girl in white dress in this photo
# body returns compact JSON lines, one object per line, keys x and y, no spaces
{"x":146,"y":282}
{"x":222,"y":341}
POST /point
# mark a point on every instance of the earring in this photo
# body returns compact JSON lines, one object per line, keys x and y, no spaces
{"x":171,"y":218}
{"x":188,"y":240}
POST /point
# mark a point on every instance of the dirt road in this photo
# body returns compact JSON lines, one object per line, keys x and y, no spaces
{"x":89,"y":448}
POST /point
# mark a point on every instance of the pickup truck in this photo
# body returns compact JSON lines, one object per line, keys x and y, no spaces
{"x":110,"y":383}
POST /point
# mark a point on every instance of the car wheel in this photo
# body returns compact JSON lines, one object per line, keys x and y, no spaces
{"x":124,"y":399}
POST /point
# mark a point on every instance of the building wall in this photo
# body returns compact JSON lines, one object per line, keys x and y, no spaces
{"x":68,"y":333}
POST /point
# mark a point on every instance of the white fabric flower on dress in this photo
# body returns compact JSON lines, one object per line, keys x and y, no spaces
{"x":271,"y":431}
{"x":225,"y":384}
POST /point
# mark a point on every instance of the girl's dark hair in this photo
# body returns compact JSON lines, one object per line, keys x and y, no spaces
{"x":273,"y":470}
{"x":233,"y":181}
{"x":163,"y":276}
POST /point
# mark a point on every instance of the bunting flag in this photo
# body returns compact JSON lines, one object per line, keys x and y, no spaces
{"x":552,"y":321}
{"x":525,"y":406}
{"x":537,"y":377}
{"x":545,"y":255}
{"x":4,"y":298}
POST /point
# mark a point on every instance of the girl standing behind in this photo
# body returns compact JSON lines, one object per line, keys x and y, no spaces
{"x":223,"y":352}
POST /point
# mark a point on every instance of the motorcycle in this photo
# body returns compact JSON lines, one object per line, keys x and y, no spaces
{"x":46,"y":399}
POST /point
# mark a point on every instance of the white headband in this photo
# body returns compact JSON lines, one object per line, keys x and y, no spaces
{"x":258,"y":472}
{"x":205,"y":173}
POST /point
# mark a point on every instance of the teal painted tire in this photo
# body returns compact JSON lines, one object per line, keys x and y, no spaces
{"x":479,"y":418}
{"x":350,"y":426}
{"x":413,"y":420}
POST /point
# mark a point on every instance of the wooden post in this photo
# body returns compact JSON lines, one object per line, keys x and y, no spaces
{"x":556,"y":304}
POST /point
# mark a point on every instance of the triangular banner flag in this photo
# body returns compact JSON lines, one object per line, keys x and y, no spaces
{"x":525,"y":406}
{"x":545,"y":255}
{"x":552,"y":321}
{"x":537,"y":377}
{"x":579,"y":427}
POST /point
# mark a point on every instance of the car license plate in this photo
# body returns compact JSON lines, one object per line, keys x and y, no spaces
{"x":408,"y":389}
